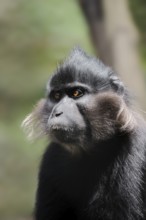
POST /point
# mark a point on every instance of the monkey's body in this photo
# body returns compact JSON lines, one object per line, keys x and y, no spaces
{"x":94,"y":169}
{"x":98,"y":186}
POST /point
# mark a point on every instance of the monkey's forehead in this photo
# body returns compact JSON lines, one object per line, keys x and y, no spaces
{"x":70,"y":74}
{"x":81,"y":68}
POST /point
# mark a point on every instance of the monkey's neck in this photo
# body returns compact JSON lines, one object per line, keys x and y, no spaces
{"x":104,"y":153}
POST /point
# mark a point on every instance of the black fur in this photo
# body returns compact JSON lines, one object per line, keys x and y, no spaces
{"x":94,"y":169}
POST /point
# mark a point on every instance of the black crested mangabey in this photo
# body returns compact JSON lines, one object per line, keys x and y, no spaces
{"x":94,"y":168}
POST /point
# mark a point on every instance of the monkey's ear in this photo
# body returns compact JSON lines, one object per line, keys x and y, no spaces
{"x":116,"y":84}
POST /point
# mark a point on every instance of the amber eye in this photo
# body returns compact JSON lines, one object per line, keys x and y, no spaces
{"x":76,"y":93}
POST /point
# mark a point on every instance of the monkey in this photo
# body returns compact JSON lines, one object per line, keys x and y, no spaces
{"x":94,"y":166}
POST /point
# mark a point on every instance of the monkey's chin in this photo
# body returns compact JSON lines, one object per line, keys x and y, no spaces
{"x":64,"y":134}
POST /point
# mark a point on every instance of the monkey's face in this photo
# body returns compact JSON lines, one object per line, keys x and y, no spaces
{"x":65,"y":121}
{"x":85,"y":102}
{"x":76,"y":114}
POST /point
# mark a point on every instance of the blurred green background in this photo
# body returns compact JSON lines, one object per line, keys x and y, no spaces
{"x":34,"y":36}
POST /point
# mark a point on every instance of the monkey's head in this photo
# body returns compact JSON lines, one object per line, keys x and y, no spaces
{"x":85,"y":101}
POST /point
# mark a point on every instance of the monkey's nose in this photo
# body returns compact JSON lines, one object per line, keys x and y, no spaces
{"x":57,"y":114}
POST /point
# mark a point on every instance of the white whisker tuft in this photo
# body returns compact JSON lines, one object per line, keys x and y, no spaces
{"x":33,"y":125}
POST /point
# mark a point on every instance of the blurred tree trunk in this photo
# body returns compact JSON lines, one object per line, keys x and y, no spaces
{"x":115,"y":39}
{"x":94,"y":14}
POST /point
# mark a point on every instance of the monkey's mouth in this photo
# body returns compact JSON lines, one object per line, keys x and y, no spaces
{"x":63,"y":133}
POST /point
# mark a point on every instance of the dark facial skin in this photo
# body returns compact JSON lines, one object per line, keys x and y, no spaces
{"x":64,"y":104}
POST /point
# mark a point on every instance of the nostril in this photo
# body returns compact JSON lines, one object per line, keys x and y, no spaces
{"x":58,"y":114}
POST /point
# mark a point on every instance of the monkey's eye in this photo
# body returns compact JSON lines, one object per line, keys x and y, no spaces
{"x":56,"y":95}
{"x":76,"y":93}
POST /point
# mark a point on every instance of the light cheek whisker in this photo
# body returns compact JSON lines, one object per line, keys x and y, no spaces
{"x":34,"y":123}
